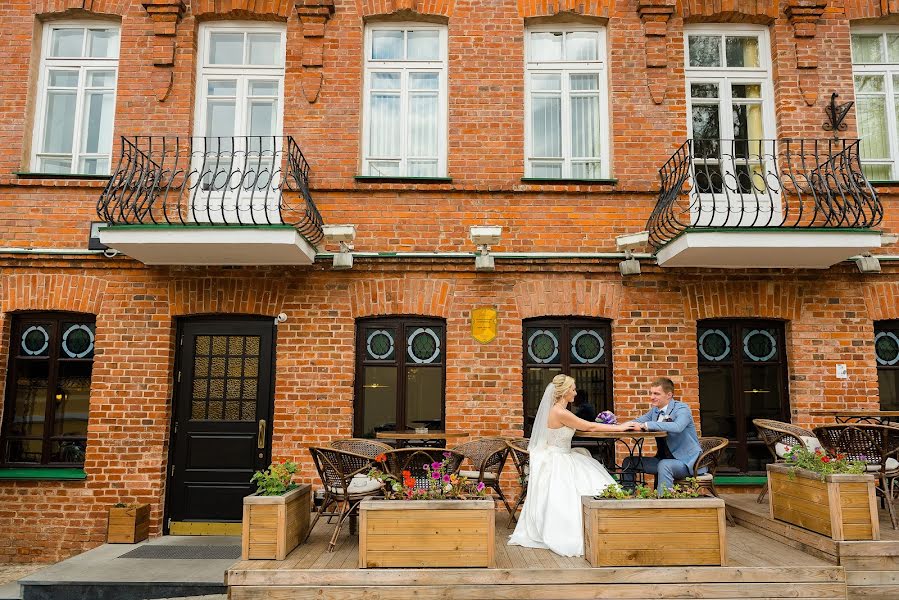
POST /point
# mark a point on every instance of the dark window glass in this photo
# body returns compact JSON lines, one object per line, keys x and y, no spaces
{"x":48,"y":389}
{"x":742,"y":376}
{"x":886,"y":354}
{"x":578,"y":347}
{"x":400,"y":374}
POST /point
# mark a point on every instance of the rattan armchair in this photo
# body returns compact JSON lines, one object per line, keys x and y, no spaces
{"x":876,"y":445}
{"x":708,"y":461}
{"x":777,"y":436}
{"x":488,"y":457}
{"x":414,"y":459}
{"x":365,"y":447}
{"x":521,"y":458}
{"x":346,"y":481}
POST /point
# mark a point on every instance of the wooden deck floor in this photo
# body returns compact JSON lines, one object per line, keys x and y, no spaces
{"x":758,"y":567}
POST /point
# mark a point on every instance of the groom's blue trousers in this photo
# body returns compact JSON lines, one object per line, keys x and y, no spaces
{"x":667,"y":470}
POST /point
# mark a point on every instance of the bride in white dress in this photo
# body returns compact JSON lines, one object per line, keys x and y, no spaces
{"x":551,"y":515}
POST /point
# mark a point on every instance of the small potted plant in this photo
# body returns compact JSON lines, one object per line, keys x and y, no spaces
{"x":615,"y":527}
{"x":449,"y":523}
{"x":128,"y":523}
{"x":276,"y":517}
{"x":824,"y":493}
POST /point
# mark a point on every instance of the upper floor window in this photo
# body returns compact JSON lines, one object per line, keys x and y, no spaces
{"x":76,"y":99}
{"x":729,"y":91}
{"x":404,"y":120}
{"x":48,"y":389}
{"x":566,"y":95}
{"x":875,"y":65}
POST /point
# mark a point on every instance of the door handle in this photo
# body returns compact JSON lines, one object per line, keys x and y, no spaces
{"x":260,"y":436}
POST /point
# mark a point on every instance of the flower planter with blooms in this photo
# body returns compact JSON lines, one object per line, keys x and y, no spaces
{"x":824,"y":493}
{"x":448,"y":523}
{"x":276,"y":517}
{"x":615,"y":528}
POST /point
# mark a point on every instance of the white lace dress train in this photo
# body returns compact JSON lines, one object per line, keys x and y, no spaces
{"x":551,"y":515}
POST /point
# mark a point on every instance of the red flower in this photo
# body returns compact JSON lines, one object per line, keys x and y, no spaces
{"x":841,"y":457}
{"x":407,"y":474}
{"x":381,"y":458}
{"x":825,"y":459}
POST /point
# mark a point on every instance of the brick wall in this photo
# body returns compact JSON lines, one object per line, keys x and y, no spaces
{"x":829,"y":314}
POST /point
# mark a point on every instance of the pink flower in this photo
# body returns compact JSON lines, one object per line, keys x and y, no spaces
{"x":435,"y":465}
{"x":481,"y":486}
{"x":446,"y":479}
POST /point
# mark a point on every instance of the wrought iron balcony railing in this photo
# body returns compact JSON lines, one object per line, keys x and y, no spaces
{"x":227,"y":181}
{"x":791,"y":183}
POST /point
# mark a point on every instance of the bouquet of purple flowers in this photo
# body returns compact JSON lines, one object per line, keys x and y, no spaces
{"x":607,"y":417}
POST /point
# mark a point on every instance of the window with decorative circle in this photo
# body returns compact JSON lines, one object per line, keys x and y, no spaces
{"x":886,"y":357}
{"x":400,"y":375}
{"x":48,"y":389}
{"x":575,"y":346}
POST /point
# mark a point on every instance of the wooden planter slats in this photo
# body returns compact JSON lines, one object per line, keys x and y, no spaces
{"x":630,"y":533}
{"x":275,"y":525}
{"x":842,"y":507}
{"x":128,"y":524}
{"x":426,"y":533}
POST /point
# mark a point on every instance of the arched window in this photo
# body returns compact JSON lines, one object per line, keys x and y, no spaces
{"x":400,"y":374}
{"x":48,"y":389}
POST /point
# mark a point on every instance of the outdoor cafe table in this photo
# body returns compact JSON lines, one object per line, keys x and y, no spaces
{"x":403,"y":438}
{"x":875,"y":417}
{"x":632,"y":442}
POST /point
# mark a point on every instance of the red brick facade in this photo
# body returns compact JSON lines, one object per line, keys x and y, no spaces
{"x":828,"y":314}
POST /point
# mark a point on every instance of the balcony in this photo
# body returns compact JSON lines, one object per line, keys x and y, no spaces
{"x":211,"y":201}
{"x":789,"y":203}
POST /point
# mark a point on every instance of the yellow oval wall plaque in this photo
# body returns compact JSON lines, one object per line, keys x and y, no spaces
{"x":483,"y":324}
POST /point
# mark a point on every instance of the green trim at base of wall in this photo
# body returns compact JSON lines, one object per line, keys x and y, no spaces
{"x":740,"y":480}
{"x":43,"y":474}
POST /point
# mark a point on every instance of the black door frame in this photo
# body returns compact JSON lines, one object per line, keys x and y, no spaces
{"x":180,"y":323}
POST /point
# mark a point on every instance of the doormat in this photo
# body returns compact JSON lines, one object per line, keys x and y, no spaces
{"x":180,"y":552}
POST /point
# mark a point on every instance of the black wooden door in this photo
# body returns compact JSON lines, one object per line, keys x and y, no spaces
{"x":222,"y":423}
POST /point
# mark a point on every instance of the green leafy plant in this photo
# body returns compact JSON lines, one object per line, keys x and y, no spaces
{"x":441,"y":484}
{"x":275,"y":480}
{"x":641,"y":492}
{"x":800,"y":457}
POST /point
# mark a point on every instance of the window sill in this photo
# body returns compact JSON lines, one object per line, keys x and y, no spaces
{"x":42,"y":474}
{"x":382,"y":179}
{"x":740,"y":480}
{"x":80,"y":177}
{"x":550,"y":181}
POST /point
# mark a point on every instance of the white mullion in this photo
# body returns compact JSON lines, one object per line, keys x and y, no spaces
{"x":565,"y":118}
{"x":405,"y":130}
{"x":80,"y":96}
{"x":889,"y":107}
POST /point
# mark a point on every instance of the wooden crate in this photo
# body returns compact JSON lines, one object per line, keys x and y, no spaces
{"x":275,"y":525}
{"x":426,"y":533}
{"x":128,"y":524}
{"x":654,"y":533}
{"x":842,"y":507}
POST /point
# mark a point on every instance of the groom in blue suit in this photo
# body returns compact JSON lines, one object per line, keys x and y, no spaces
{"x":678,"y":451}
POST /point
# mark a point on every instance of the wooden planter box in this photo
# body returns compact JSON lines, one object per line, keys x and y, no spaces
{"x":128,"y":524}
{"x":842,"y":507}
{"x":275,"y":525}
{"x":654,"y":533}
{"x":426,"y":533}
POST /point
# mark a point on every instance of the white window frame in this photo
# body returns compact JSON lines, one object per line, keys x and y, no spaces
{"x":890,"y":93}
{"x":566,"y":68}
{"x":404,"y":67}
{"x":84,"y":65}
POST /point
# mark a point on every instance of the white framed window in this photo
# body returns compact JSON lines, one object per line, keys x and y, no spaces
{"x":731,"y":109}
{"x":875,"y":68}
{"x":405,"y":100}
{"x":237,"y":148}
{"x":75,"y":107}
{"x":566,"y":103}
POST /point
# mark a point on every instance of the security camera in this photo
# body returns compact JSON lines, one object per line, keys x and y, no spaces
{"x":281,"y":317}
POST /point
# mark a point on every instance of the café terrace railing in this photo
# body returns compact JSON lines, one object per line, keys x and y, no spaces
{"x":221,"y":181}
{"x":790,"y":183}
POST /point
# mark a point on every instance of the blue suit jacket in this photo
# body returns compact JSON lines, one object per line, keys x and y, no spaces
{"x":681,"y":439}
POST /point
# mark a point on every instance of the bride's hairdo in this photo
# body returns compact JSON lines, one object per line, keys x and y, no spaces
{"x":562,"y":383}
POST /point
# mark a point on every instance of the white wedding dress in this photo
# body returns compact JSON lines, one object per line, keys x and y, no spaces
{"x":551,"y":515}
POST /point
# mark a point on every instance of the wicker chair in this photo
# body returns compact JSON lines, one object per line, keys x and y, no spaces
{"x":708,"y":461}
{"x":414,"y":459}
{"x":777,"y":437}
{"x":346,"y":481}
{"x":488,"y":457}
{"x":365,"y":447}
{"x":876,"y":445}
{"x":518,"y":448}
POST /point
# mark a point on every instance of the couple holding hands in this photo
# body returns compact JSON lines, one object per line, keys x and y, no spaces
{"x":551,"y":515}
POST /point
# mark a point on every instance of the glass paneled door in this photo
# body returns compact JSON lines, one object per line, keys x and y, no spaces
{"x":742,"y":376}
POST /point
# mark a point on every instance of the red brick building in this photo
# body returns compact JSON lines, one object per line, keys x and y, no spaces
{"x":160,"y":373}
